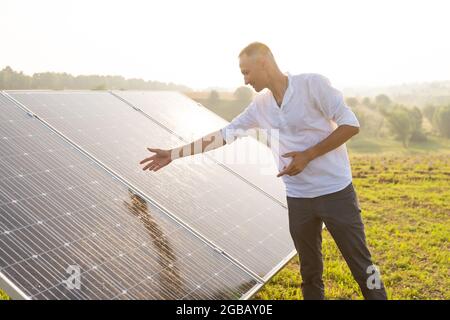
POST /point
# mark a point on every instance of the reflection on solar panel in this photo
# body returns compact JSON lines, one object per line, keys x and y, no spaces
{"x":190,"y":121}
{"x":61,"y":212}
{"x":197,"y":206}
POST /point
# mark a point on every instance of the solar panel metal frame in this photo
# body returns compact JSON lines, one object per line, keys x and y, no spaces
{"x":10,"y":287}
{"x":13,"y":291}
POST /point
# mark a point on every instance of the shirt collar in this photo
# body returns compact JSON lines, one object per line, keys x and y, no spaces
{"x":287,"y":94}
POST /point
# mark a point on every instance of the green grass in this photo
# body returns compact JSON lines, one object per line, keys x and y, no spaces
{"x":406,"y":210}
{"x":361,"y":144}
{"x":3,"y":295}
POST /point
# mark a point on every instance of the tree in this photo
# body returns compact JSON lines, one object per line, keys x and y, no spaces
{"x":244,"y":94}
{"x":352,"y":102}
{"x":416,"y":122}
{"x":441,"y":120}
{"x":6,"y":76}
{"x":366,"y":101}
{"x":404,"y":123}
{"x":213,"y":96}
{"x":416,"y":118}
{"x":362,"y":118}
{"x":400,"y":124}
{"x":382,"y":100}
{"x":428,"y":111}
{"x":10,"y":79}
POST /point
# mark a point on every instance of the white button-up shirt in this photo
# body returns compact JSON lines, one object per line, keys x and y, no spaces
{"x":310,"y":111}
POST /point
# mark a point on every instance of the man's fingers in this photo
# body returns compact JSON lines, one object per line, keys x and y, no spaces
{"x":148,"y":159}
{"x":158,"y":160}
{"x":145,"y":160}
{"x":153,"y":166}
{"x":289,"y":154}
{"x":289,"y":173}
{"x":281,"y":173}
{"x":149,"y":165}
{"x":156,"y":167}
{"x":289,"y":170}
{"x":285,"y":171}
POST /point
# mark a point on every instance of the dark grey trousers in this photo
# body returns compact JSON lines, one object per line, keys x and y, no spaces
{"x":342,"y":216}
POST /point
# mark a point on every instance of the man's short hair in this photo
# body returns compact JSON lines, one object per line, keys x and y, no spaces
{"x":255,"y":48}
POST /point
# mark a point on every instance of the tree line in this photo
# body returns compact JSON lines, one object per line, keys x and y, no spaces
{"x":404,"y":122}
{"x":13,"y":80}
{"x":379,"y":116}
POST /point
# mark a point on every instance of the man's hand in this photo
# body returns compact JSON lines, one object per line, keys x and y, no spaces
{"x":301,"y":158}
{"x":160,"y":159}
{"x":299,"y":162}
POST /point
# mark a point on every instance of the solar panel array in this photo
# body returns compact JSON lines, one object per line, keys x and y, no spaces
{"x":73,"y":194}
{"x":182,"y":115}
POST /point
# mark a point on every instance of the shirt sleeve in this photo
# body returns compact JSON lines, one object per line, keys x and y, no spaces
{"x":240,"y":124}
{"x":330,"y":102}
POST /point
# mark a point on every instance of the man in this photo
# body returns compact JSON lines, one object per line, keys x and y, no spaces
{"x":313,"y":162}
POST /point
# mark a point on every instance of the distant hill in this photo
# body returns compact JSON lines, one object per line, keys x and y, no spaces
{"x":418,"y":94}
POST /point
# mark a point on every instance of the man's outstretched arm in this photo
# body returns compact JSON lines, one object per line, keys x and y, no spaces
{"x":162,"y":158}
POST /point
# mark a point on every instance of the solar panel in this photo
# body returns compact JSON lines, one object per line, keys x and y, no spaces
{"x":63,"y":215}
{"x":189,"y":120}
{"x":247,"y":225}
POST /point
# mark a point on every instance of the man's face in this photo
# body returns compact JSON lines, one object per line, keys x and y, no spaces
{"x":253,"y":71}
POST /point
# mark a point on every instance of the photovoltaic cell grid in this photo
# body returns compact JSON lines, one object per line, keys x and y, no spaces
{"x":247,"y":157}
{"x":248,"y":225}
{"x":59,"y":209}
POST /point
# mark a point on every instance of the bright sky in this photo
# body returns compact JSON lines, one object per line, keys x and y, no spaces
{"x":196,"y":42}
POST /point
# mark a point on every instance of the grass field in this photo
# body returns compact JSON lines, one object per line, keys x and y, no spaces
{"x":406,"y":210}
